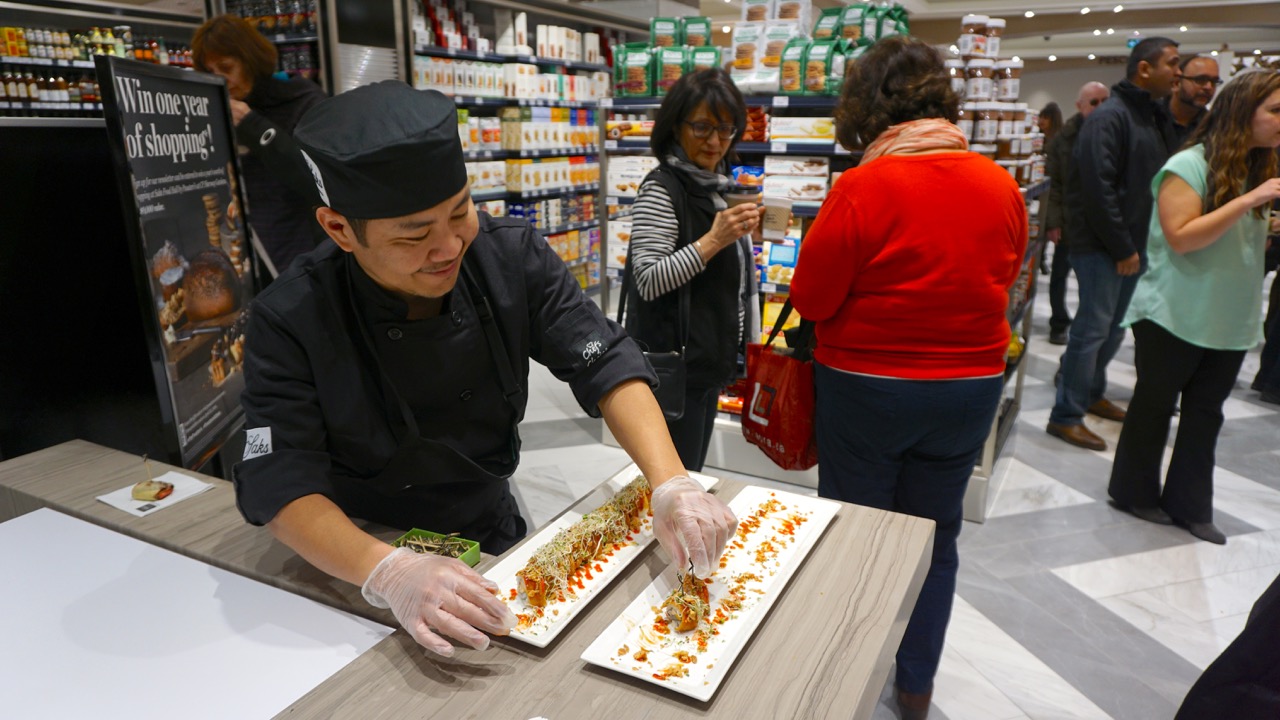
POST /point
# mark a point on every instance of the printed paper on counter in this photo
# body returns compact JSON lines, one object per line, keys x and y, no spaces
{"x":184,"y":486}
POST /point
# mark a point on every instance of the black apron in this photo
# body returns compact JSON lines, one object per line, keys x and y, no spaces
{"x":430,"y":485}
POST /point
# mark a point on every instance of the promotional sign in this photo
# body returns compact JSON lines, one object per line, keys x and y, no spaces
{"x":173,"y":141}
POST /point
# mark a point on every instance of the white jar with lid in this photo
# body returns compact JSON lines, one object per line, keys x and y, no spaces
{"x":986,"y":124}
{"x":979,"y":85}
{"x":995,"y":29}
{"x":1008,"y":75}
{"x":956,"y":72}
{"x":1008,"y":120}
{"x":973,"y":36}
{"x":968,"y":115}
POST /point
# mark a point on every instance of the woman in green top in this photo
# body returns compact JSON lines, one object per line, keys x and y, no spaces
{"x":1198,"y":307}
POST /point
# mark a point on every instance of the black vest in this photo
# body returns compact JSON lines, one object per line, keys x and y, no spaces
{"x":712,"y":353}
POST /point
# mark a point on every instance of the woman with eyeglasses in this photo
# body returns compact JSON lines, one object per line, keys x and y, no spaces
{"x":1198,"y":308}
{"x":911,"y":317}
{"x":685,"y":240}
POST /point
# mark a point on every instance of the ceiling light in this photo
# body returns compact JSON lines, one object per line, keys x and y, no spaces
{"x":955,"y":50}
{"x":1118,"y":8}
{"x":1111,"y":31}
{"x":1029,"y":14}
{"x":1136,"y":33}
{"x":726,"y":28}
{"x":1084,"y":11}
{"x":1257,"y":52}
{"x":1092,"y":56}
{"x":1015,"y":58}
{"x":1053,"y":58}
{"x":1182,"y":29}
{"x":1213,"y":53}
{"x":1097,"y":32}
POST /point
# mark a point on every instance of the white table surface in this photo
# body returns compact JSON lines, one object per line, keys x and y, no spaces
{"x":95,"y":624}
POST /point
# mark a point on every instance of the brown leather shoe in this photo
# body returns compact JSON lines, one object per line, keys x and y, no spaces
{"x":914,"y":706}
{"x":1107,"y":410}
{"x":1077,"y":435}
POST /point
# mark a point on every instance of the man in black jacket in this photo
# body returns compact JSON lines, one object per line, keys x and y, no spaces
{"x":1121,"y":147}
{"x":1058,"y":159}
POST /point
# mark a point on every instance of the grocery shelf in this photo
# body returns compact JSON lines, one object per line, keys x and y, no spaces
{"x":820,"y":102}
{"x":570,"y":227}
{"x":793,"y":101}
{"x":777,"y":288}
{"x":52,"y":106}
{"x":279,"y":38}
{"x":783,"y":147}
{"x":614,"y":200}
{"x":1011,"y":368}
{"x":504,"y":154}
{"x":434,"y":51}
{"x":478,"y":101}
{"x":503,"y":193}
{"x":46,"y":62}
{"x":806,"y":209}
{"x":1036,"y":190}
{"x":627,"y":145}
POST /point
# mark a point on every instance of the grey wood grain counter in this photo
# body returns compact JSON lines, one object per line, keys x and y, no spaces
{"x":823,"y":651}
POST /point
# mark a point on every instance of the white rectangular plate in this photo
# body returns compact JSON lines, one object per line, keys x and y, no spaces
{"x":772,"y":553}
{"x":539,"y":627}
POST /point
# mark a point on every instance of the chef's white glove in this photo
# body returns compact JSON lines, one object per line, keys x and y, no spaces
{"x":692,"y":524}
{"x":432,"y":592}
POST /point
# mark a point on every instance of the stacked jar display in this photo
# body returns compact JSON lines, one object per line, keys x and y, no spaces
{"x":997,"y":125}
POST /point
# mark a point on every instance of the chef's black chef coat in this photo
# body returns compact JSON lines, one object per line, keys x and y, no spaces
{"x":337,"y":378}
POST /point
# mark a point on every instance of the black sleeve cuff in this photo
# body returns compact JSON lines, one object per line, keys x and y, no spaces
{"x":264,"y":485}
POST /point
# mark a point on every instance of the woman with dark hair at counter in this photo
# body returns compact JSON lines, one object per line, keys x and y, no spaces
{"x":265,"y":109}
{"x":685,"y":238}
{"x":904,"y":405}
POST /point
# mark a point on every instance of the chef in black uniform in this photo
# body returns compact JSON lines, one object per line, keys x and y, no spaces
{"x":386,"y":373}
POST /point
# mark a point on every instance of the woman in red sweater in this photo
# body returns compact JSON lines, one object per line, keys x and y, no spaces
{"x":906,"y":272}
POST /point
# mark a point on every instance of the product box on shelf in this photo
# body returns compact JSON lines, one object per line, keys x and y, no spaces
{"x":696,"y":31}
{"x":619,"y":241}
{"x":758,"y":10}
{"x":748,"y":49}
{"x":513,"y":32}
{"x":633,"y":70}
{"x":665,"y":32}
{"x":791,"y":165}
{"x":802,"y":129}
{"x":671,"y":63}
{"x":827,"y":26}
{"x":628,"y":129}
{"x":795,"y":188}
{"x":591,"y":48}
{"x":704,"y":58}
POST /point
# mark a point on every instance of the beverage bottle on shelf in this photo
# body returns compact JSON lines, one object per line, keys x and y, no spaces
{"x":284,"y":17}
{"x":162,"y":53}
{"x":60,"y":87}
{"x":73,"y":90}
{"x":42,"y":90}
{"x":4,"y":86}
{"x":33,"y":88}
{"x":11,"y":86}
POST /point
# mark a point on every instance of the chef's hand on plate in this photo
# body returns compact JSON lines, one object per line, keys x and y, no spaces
{"x":692,"y":524}
{"x":432,"y":595}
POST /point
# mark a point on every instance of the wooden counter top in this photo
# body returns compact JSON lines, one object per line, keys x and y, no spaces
{"x":824,"y":650}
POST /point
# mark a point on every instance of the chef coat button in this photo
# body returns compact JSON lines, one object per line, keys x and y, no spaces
{"x":395,"y":333}
{"x":464,"y":395}
{"x":457,"y":319}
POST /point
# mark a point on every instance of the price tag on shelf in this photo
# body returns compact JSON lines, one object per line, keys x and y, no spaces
{"x":279,"y":38}
{"x":841,"y":150}
{"x":606,"y":102}
{"x":4,"y":105}
{"x":610,"y":144}
{"x":778,"y":147}
{"x":611,"y":200}
{"x":781,"y":101}
{"x":768,"y":288}
{"x":451,"y":52}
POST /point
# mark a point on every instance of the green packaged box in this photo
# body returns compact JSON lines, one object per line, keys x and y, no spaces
{"x":704,"y":58}
{"x":419,"y":540}
{"x":665,"y":32}
{"x":696,"y":31}
{"x":633,"y":70}
{"x":828,"y":25}
{"x":670,"y":66}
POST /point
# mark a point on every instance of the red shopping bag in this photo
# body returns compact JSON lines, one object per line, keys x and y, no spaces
{"x":777,"y":415}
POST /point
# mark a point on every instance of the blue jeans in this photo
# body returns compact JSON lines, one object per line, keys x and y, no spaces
{"x":1095,"y":335}
{"x":907,"y":446}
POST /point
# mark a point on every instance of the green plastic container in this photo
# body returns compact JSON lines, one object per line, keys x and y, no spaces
{"x":471,"y":557}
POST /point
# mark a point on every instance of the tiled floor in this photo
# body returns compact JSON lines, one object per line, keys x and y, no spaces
{"x":1065,"y":607}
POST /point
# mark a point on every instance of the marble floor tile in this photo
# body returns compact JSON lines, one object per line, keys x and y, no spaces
{"x":1217,"y":596}
{"x":962,"y":692}
{"x":1156,"y":568}
{"x":1014,"y":671}
{"x":1252,"y":502}
{"x":1197,"y":642}
{"x":1023,"y":489}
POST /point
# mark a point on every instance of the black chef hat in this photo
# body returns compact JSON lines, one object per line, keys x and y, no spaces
{"x":383,"y":150}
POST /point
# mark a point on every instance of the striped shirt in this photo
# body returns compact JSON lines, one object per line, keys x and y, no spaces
{"x":657,"y":266}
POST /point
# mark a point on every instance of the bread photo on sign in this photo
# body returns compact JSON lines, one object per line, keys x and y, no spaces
{"x":211,"y":286}
{"x":151,"y":490}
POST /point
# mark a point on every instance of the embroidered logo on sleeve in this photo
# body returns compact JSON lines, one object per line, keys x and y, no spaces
{"x":592,"y":348}
{"x":257,"y":442}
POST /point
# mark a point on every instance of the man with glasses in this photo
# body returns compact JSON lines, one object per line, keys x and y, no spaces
{"x":1192,"y":93}
{"x":1058,"y":160}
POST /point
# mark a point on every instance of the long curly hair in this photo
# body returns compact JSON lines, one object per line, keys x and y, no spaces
{"x":897,"y":80}
{"x":1235,"y":167}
